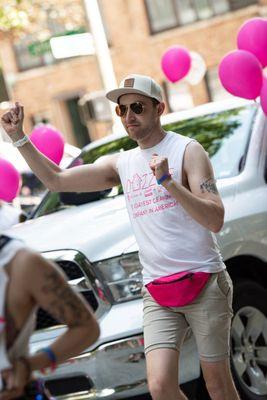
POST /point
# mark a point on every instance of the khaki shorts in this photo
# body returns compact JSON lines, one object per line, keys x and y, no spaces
{"x":209,"y":318}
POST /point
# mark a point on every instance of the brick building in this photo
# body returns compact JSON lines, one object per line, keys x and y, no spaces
{"x":138,"y":32}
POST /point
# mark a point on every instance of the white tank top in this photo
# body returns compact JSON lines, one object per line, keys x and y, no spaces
{"x":169,"y":239}
{"x":8,"y":248}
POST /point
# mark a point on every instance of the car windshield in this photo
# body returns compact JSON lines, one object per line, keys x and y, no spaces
{"x":224,"y":135}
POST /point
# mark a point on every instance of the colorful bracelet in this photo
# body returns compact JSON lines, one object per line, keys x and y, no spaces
{"x":163,"y":178}
{"x":51,"y":355}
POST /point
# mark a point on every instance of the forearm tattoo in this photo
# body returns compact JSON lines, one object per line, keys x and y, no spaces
{"x":64,"y":304}
{"x":209,"y":185}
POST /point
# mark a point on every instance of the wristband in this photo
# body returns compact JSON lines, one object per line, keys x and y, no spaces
{"x":163,"y":178}
{"x":21,"y":142}
{"x":51,"y":355}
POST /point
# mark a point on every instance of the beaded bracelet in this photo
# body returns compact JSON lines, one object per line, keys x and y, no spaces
{"x":21,"y":142}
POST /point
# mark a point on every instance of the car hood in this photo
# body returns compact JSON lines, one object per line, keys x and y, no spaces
{"x":99,"y":230}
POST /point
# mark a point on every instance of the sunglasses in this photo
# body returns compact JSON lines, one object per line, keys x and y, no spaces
{"x":136,"y":107}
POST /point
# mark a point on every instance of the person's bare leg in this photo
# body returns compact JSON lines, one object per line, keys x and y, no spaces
{"x":219,"y":381}
{"x":162,"y":374}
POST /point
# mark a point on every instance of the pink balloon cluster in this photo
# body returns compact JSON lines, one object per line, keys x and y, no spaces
{"x":48,"y":141}
{"x":176,"y":63}
{"x":10,"y":181}
{"x":241,"y":71}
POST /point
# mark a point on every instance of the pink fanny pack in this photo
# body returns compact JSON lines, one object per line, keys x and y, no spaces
{"x":179,"y":289}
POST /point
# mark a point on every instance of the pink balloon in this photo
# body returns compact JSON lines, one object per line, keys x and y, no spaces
{"x":252,"y":36}
{"x":263,"y":98}
{"x":175,"y":63}
{"x":48,"y":141}
{"x":10,"y":181}
{"x":241,"y":74}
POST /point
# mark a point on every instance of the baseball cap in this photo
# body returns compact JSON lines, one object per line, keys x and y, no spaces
{"x":140,"y":84}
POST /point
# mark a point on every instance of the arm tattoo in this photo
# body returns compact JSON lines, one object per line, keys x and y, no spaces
{"x":64,"y":304}
{"x":209,"y":185}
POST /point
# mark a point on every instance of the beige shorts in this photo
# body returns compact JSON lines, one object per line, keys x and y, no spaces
{"x":209,"y":318}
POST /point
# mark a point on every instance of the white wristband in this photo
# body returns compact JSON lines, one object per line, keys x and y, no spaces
{"x":21,"y":142}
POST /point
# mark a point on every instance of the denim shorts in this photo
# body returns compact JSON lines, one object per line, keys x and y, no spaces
{"x":208,"y":316}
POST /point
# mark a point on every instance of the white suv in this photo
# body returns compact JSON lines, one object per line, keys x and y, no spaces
{"x":89,"y":235}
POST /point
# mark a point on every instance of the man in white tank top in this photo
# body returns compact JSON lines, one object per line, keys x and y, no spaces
{"x":175,"y":209}
{"x":28,"y":281}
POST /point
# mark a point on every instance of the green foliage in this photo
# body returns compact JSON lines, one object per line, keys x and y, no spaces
{"x":210,"y":129}
{"x":12,"y":15}
{"x":35,"y":16}
{"x":109,"y":148}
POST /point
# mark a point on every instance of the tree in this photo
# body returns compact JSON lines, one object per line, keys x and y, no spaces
{"x":18,"y":17}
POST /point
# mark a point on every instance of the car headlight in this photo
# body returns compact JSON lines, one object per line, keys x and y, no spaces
{"x":122,"y":275}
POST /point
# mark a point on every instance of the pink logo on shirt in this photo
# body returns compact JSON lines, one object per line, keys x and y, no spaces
{"x":145,"y":196}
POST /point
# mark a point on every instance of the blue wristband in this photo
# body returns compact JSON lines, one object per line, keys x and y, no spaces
{"x":163,"y":178}
{"x":50,"y":354}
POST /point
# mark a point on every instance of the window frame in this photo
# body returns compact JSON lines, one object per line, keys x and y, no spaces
{"x":19,"y":51}
{"x":178,"y":24}
{"x":21,"y":47}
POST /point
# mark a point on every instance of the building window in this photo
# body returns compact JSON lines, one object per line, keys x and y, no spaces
{"x":215,"y":89}
{"x":31,"y":53}
{"x":51,"y":20}
{"x":186,"y":12}
{"x":168,"y":14}
{"x":162,"y":14}
{"x":27,"y":59}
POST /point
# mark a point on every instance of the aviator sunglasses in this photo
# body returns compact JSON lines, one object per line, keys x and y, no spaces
{"x":135,"y":107}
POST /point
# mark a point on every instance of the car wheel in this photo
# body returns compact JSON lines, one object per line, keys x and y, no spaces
{"x":249,"y":340}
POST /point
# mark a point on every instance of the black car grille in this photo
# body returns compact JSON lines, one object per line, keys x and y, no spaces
{"x":73,"y":271}
{"x":70,"y":384}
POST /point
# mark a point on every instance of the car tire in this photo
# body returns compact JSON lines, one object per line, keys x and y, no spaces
{"x":249,"y":340}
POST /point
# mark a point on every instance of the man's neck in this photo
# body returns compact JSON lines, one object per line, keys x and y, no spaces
{"x":153,"y":139}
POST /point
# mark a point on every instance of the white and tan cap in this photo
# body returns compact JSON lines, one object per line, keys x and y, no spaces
{"x":139,"y":84}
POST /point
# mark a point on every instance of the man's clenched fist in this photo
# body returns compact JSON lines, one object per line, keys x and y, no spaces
{"x":159,"y":165}
{"x":12,"y":120}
